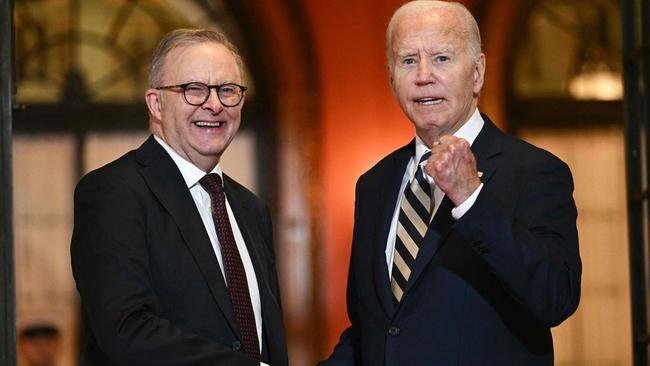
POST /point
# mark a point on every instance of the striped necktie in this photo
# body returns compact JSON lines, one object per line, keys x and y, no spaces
{"x":412,"y":224}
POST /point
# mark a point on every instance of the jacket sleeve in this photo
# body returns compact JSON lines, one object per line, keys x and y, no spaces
{"x":530,"y":240}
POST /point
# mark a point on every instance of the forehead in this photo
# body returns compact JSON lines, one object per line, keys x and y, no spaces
{"x":207,"y":59}
{"x":433,"y":28}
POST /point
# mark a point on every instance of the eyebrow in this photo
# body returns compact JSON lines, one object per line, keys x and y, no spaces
{"x":407,"y":53}
{"x":427,"y":51}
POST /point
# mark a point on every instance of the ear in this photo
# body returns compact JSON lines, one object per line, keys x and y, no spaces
{"x":153,"y":98}
{"x":479,"y":73}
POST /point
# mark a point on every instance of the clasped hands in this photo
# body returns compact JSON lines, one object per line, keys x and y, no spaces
{"x":453,"y":168}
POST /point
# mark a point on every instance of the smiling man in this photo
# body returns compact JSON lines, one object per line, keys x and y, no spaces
{"x":465,"y":248}
{"x":174,"y":260}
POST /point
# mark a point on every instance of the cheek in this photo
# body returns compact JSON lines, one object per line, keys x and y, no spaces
{"x":400,"y":83}
{"x":403,"y":93}
{"x":184,"y":114}
{"x":234,"y":114}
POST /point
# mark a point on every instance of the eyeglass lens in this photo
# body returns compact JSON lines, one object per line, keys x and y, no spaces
{"x":198,"y":93}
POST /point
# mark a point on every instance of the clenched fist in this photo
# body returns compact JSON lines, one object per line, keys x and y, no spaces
{"x":453,"y":168}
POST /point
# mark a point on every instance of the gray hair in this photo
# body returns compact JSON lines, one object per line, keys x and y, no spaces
{"x":184,"y":37}
{"x":470,"y":31}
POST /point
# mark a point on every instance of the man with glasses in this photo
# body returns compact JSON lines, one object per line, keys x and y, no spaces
{"x":174,"y":260}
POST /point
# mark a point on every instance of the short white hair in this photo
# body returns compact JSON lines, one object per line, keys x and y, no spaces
{"x":470,"y":31}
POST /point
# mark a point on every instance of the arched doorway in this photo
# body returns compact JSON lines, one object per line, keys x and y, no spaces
{"x":556,"y":82}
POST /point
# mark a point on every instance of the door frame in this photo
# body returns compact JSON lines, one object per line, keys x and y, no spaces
{"x":7,"y":289}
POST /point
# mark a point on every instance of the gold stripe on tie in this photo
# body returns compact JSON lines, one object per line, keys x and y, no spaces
{"x":403,"y":267}
{"x":423,"y":198}
{"x":415,"y":219}
{"x":407,"y":241}
{"x":397,"y":291}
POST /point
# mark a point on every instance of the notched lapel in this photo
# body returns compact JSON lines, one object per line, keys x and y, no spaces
{"x":167,"y":184}
{"x":434,"y":238}
{"x":391,"y":181}
{"x":256,"y":244}
{"x":254,"y":240}
{"x":486,"y":148}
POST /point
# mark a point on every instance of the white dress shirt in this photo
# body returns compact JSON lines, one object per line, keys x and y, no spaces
{"x":192,"y":175}
{"x":468,"y":131}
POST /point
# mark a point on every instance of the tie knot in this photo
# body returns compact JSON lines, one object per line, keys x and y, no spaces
{"x":424,"y":157}
{"x":212,"y":183}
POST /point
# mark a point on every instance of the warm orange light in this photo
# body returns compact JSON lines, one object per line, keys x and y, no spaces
{"x":600,"y":83}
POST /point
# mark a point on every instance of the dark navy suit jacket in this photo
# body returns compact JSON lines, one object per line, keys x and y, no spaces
{"x":485,"y":289}
{"x":150,"y":285}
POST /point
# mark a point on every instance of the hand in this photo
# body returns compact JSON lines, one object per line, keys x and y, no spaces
{"x":453,"y":168}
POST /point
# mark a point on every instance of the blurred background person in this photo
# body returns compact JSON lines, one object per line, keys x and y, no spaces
{"x":39,"y":343}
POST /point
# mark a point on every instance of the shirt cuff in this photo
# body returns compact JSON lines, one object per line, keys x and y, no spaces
{"x":459,"y":211}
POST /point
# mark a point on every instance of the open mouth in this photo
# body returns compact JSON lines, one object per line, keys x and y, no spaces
{"x":204,"y":124}
{"x":429,"y":101}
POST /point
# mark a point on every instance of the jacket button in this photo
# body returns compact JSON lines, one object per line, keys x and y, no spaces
{"x":236,"y":346}
{"x":394,"y":331}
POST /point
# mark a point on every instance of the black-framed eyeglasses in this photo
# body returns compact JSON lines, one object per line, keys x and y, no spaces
{"x":197,"y":93}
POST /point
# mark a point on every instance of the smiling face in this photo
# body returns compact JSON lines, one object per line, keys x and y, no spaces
{"x":199,"y":134}
{"x":433,"y":75}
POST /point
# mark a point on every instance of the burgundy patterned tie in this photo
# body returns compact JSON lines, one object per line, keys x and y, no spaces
{"x":234,"y":268}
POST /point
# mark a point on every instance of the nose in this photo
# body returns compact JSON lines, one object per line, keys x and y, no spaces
{"x":425,"y":73}
{"x":213,"y":104}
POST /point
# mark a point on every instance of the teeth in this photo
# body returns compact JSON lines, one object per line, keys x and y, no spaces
{"x":208,"y":124}
{"x":429,"y":101}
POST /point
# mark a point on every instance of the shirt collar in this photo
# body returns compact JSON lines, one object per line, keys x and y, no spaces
{"x":468,"y":131}
{"x":191,"y":173}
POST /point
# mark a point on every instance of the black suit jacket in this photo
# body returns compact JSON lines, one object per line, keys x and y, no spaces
{"x":485,"y":289}
{"x":151,"y":289}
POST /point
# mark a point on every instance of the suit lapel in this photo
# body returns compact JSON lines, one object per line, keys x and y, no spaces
{"x":392,"y":179}
{"x":486,"y":147}
{"x":167,"y":184}
{"x":254,"y":240}
{"x":433,"y":239}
